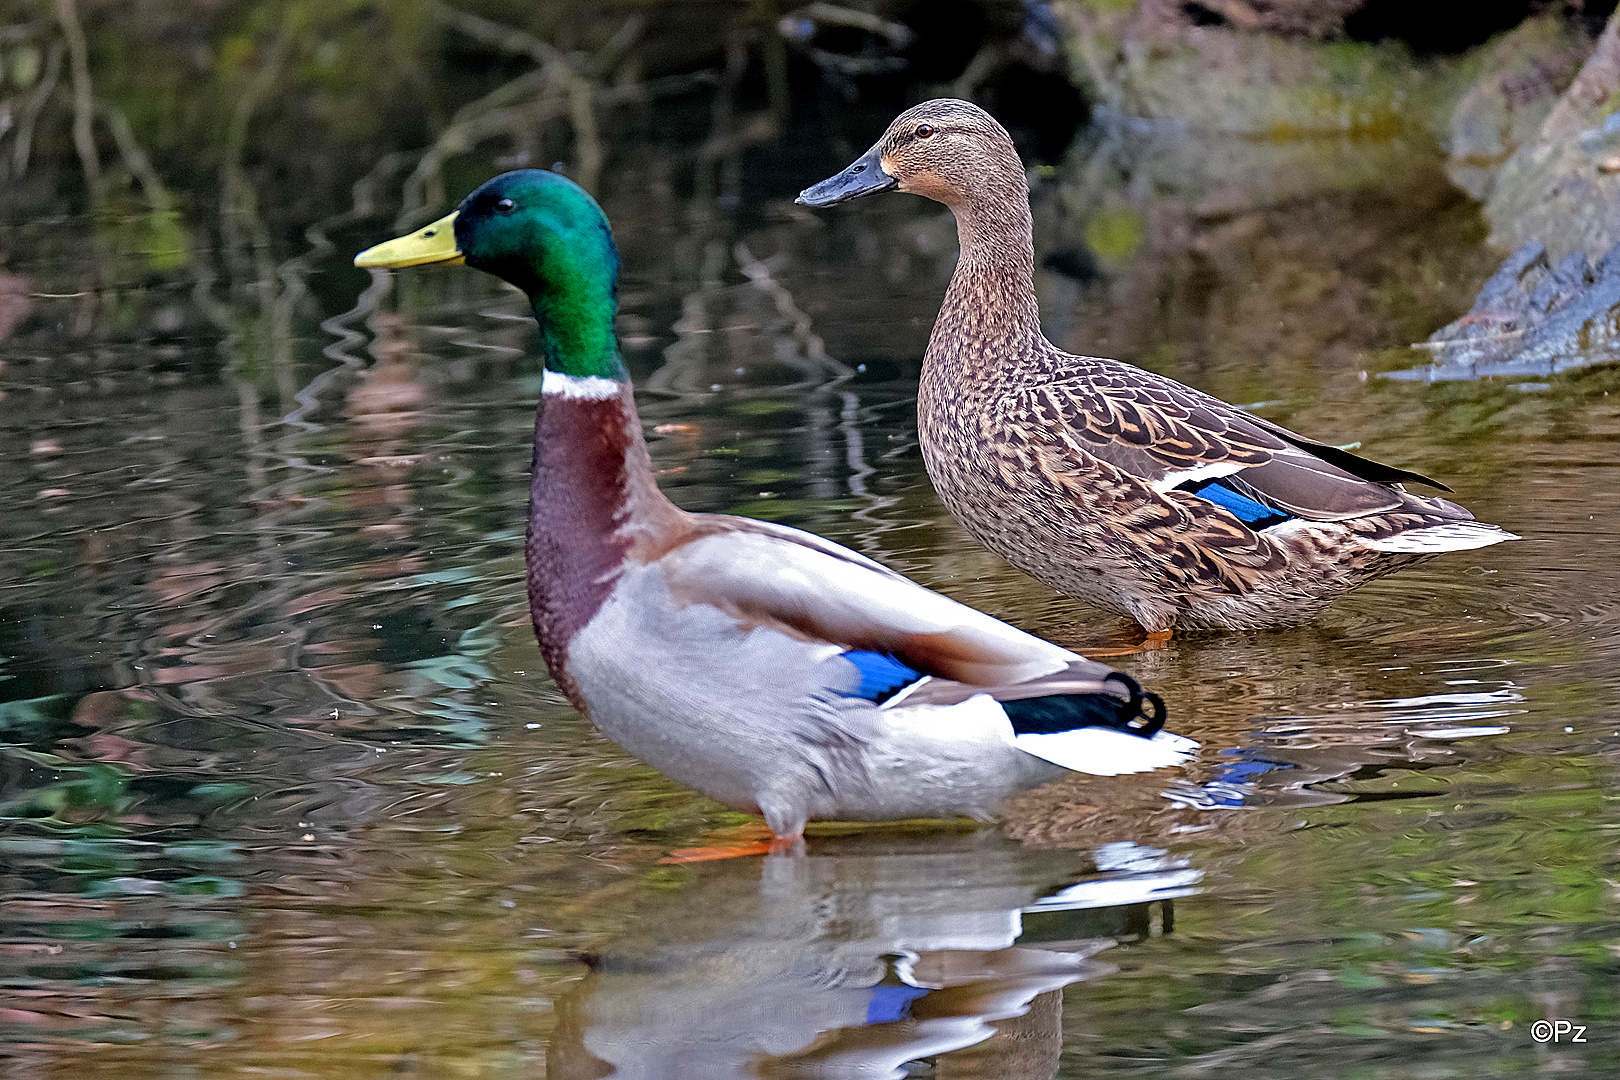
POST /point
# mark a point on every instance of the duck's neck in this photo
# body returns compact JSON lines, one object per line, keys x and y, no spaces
{"x":594,"y":506}
{"x":989,"y":320}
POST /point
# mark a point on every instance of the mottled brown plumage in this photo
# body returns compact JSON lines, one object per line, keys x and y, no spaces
{"x":1086,"y":473}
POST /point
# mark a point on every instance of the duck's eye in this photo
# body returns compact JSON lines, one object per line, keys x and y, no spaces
{"x":924,"y":130}
{"x":505,"y":206}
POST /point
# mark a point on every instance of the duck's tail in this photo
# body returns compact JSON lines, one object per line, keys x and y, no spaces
{"x":1447,"y":536}
{"x":1107,"y":751}
{"x":1097,"y":733}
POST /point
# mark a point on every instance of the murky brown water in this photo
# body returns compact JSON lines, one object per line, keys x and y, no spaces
{"x":284,"y":790}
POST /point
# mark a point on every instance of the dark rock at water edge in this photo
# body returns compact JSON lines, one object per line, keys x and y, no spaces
{"x":1533,"y":317}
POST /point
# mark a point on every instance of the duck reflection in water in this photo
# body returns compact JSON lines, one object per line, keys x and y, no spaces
{"x":860,"y":958}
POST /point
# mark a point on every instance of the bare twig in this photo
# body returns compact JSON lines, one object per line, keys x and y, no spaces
{"x":898,"y":34}
{"x":991,"y":57}
{"x":1237,"y":13}
{"x":587,"y":143}
{"x":574,"y":75}
{"x":472,"y":123}
{"x":760,"y":276}
{"x":774,"y":55}
{"x":23,"y":140}
{"x":84,"y":139}
{"x":238,"y":200}
{"x":157,"y":194}
{"x":628,"y":33}
{"x":498,"y":35}
{"x":491,"y":115}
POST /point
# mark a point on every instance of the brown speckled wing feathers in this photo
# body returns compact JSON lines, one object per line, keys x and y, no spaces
{"x":1152,"y":428}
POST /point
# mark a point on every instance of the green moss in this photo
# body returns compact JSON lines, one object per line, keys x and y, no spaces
{"x":166,"y":244}
{"x":24,"y":63}
{"x":1115,"y":234}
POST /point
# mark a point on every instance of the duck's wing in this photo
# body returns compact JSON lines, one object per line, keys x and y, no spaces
{"x":764,"y":574}
{"x":911,"y":646}
{"x":1176,"y":438}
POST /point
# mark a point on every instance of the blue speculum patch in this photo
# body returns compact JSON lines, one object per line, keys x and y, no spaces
{"x":1252,"y":512}
{"x":882,"y":676}
{"x":891,"y":1003}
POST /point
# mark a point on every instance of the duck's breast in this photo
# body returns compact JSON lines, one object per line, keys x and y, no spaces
{"x":728,"y":709}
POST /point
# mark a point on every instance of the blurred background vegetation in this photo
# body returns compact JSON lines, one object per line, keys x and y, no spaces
{"x":179,"y":169}
{"x":213,"y":141}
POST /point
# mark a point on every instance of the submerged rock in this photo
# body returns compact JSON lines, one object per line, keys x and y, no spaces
{"x":1533,"y":317}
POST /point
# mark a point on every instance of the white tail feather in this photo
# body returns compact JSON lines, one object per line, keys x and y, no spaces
{"x":1456,"y":536}
{"x":1106,"y":752}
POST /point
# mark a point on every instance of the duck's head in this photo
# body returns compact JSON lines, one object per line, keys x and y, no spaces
{"x":945,"y":149}
{"x":543,"y":233}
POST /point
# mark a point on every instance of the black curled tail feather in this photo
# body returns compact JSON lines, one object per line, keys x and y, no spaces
{"x":1136,"y":716}
{"x":1142,"y":713}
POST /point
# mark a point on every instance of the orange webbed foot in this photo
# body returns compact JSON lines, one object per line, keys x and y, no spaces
{"x":714,"y":853}
{"x":1153,"y":639}
{"x":738,"y":842}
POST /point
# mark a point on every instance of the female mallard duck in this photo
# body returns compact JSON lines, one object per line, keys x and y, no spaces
{"x":1105,"y":481}
{"x":768,"y":668}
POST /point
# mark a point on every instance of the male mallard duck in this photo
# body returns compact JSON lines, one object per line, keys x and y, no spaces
{"x":1105,"y":481}
{"x":766,"y":667}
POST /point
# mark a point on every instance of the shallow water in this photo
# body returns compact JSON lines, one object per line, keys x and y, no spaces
{"x":284,"y":790}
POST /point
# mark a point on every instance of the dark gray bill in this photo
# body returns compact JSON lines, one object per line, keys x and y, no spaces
{"x":864,"y":177}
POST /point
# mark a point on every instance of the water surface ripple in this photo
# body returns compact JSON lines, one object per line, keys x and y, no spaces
{"x":284,"y":790}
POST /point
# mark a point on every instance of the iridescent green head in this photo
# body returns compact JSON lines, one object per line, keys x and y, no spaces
{"x":546,"y":235}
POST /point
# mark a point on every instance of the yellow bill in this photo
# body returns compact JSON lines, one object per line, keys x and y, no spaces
{"x":435,"y":243}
